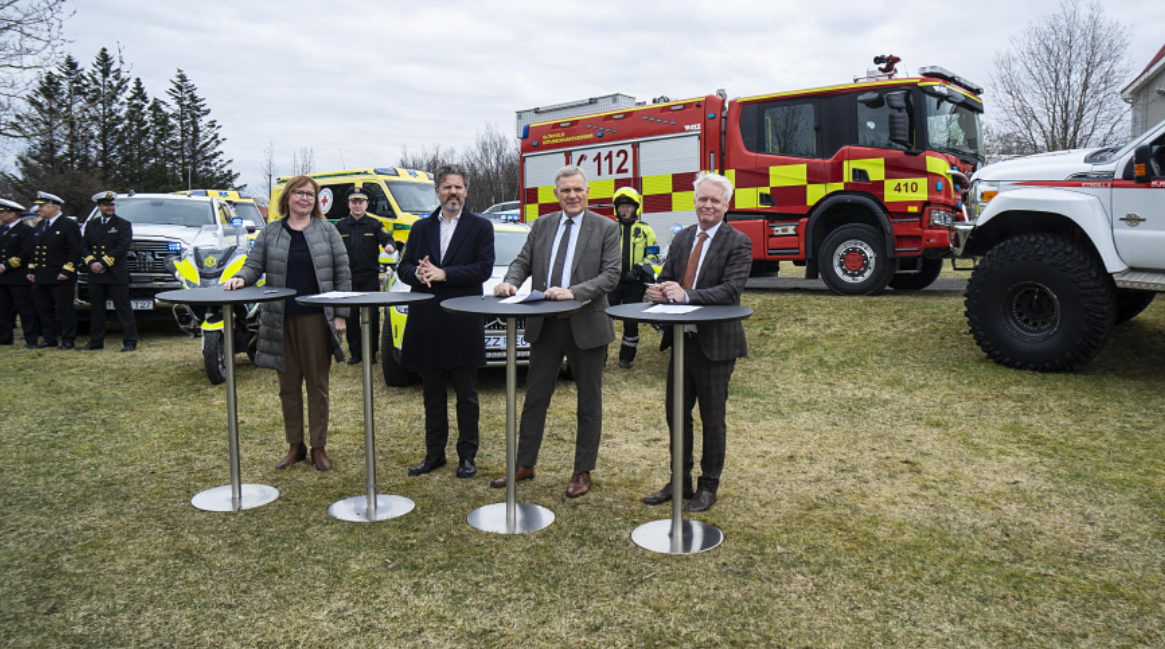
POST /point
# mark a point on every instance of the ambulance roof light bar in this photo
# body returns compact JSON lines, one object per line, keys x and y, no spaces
{"x":936,"y":72}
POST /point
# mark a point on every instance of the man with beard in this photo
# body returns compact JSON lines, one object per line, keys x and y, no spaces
{"x":449,"y":254}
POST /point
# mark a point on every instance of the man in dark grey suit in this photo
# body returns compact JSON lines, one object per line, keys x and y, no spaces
{"x":570,"y":255}
{"x":711,"y":261}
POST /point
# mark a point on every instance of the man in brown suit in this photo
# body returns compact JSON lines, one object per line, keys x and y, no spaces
{"x":711,"y":261}
{"x":570,"y":255}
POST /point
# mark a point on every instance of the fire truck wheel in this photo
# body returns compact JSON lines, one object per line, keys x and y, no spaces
{"x":854,"y":262}
{"x":1130,"y":303}
{"x":395,"y":376}
{"x":1040,"y":302}
{"x":920,"y":280}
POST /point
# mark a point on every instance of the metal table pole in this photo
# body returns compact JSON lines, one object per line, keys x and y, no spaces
{"x":512,"y":517}
{"x":237,"y":496}
{"x":677,"y":536}
{"x":371,"y":507}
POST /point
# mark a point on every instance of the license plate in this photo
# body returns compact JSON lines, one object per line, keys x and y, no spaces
{"x":499,"y":342}
{"x":136,"y":305}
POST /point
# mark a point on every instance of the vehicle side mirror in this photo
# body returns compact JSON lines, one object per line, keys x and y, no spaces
{"x":1143,"y":164}
{"x":896,"y":100}
{"x":900,"y":129}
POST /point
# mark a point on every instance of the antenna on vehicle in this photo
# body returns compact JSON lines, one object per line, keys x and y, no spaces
{"x":342,"y":158}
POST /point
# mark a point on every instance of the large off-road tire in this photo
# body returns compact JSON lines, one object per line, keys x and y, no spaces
{"x":395,"y":376}
{"x":1130,"y":303}
{"x":917,"y":281}
{"x":214,"y":357}
{"x":1041,"y":302}
{"x":853,"y":261}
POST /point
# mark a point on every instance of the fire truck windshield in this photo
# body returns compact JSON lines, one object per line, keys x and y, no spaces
{"x":414,"y":198}
{"x":953,"y":128}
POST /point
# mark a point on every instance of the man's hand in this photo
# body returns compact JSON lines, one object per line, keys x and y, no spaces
{"x":232,"y":284}
{"x":96,"y":268}
{"x":31,"y":277}
{"x":341,"y":325}
{"x":673,"y":292}
{"x":559,"y":293}
{"x":390,"y":248}
{"x":501,"y":290}
{"x":2,"y":269}
{"x":62,"y":277}
{"x":428,"y":273}
{"x":655,"y":295}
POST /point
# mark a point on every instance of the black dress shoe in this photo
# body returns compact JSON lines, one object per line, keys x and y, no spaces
{"x":44,"y":345}
{"x":31,"y":345}
{"x":427,"y":465}
{"x":355,"y":360}
{"x":91,"y":346}
{"x":67,"y":346}
{"x":130,"y":347}
{"x":466,"y":468}
{"x":701,"y":502}
{"x":664,"y":495}
{"x":625,"y":364}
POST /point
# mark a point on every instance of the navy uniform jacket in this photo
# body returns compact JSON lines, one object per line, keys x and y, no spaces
{"x":107,"y":245}
{"x":434,"y":337}
{"x":15,"y":253}
{"x":56,"y":251}
{"x":363,"y":238}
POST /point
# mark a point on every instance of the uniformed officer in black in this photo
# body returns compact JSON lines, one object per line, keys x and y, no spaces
{"x":15,"y":289}
{"x":53,"y":272}
{"x":363,"y":237}
{"x":104,"y":243}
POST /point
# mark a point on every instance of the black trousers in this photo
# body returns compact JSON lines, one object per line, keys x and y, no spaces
{"x":119,"y":293}
{"x":364,"y":282}
{"x":705,"y":381}
{"x":54,"y":308}
{"x":14,"y":299}
{"x":628,"y":293}
{"x":436,"y":383}
{"x":554,"y":342}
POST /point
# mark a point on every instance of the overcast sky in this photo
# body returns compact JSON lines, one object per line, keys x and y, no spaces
{"x":358,"y":80}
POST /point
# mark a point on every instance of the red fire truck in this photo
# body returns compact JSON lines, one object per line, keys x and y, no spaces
{"x":857,"y":183}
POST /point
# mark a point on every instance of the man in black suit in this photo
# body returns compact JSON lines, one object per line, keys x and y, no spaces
{"x":569,"y":255}
{"x":104,"y":244}
{"x":711,"y":261}
{"x":449,"y":254}
{"x":53,"y":272}
{"x":15,"y":287}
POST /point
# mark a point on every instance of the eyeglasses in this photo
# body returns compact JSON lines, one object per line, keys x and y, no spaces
{"x":299,"y":193}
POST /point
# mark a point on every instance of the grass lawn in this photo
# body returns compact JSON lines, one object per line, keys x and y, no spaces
{"x":886,"y":485}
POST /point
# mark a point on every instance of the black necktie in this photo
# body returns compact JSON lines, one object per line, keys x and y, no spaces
{"x":560,"y":259}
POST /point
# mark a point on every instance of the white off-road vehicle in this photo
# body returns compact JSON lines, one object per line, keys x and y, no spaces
{"x":1072,"y":243}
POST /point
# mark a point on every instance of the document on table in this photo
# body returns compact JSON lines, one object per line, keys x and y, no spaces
{"x":335,"y":295}
{"x":521,"y":298}
{"x":672,"y":309}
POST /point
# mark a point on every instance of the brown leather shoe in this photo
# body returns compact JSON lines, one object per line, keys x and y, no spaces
{"x":580,"y":484}
{"x":524,"y":473}
{"x":320,"y":459}
{"x":297,"y":453}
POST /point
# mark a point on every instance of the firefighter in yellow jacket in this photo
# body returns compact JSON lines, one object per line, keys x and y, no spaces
{"x":634,"y":238}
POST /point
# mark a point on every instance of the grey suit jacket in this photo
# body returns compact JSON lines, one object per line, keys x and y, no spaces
{"x":721,"y":281}
{"x":594,"y":272}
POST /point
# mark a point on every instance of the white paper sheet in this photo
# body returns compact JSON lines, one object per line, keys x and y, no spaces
{"x":672,"y":309}
{"x":335,"y":295}
{"x":521,"y":298}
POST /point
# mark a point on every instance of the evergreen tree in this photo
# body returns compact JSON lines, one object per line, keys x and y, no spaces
{"x":44,"y":125}
{"x":78,"y":130}
{"x":198,"y":156}
{"x":107,"y":86}
{"x":134,"y":162}
{"x":160,"y":151}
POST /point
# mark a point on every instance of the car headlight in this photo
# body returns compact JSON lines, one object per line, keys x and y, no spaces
{"x":941,"y":218}
{"x":981,"y":194}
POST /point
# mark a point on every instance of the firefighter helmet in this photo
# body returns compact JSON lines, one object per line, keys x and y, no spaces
{"x":628,"y":195}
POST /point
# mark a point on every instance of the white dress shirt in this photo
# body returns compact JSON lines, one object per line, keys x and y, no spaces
{"x":574,"y":230}
{"x":447,"y":228}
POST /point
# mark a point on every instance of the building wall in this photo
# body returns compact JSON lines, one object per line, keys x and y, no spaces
{"x":1148,"y":106}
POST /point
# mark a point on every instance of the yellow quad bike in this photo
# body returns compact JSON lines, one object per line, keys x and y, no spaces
{"x":218,"y":253}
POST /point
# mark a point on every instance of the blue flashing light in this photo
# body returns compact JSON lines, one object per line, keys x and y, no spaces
{"x":653,"y":250}
{"x":601,"y":134}
{"x":534,"y":143}
{"x":174,"y":246}
{"x":677,"y":228}
{"x":237,"y":222}
{"x":939,"y":186}
{"x":526,"y":132}
{"x":711,"y":115}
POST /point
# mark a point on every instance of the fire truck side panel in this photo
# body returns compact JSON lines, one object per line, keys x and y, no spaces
{"x":667,"y":169}
{"x":538,"y":183}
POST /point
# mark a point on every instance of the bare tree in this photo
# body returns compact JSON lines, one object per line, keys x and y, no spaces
{"x":268,"y":170}
{"x":1058,"y":86}
{"x":31,"y":39}
{"x":426,"y":159}
{"x":303,"y":161}
{"x":492,"y":162}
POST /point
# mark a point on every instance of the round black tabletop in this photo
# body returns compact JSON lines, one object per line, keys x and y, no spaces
{"x":702,"y":315}
{"x":488,"y":305}
{"x":372,"y":298}
{"x":216,"y":295}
